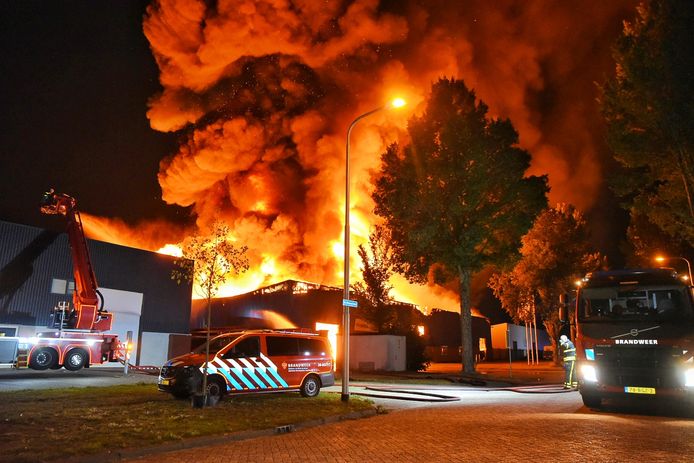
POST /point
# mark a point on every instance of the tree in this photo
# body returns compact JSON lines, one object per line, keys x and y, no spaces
{"x":649,"y":110}
{"x":456,"y":198}
{"x":378,"y":306}
{"x":646,"y":240}
{"x":207,"y":261}
{"x":555,"y":252}
{"x":376,"y":270}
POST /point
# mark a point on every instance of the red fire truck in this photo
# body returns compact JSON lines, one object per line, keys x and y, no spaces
{"x":77,"y":338}
{"x":635,"y":336}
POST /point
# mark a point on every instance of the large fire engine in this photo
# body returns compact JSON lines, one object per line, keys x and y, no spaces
{"x":78,"y":337}
{"x":635,"y":336}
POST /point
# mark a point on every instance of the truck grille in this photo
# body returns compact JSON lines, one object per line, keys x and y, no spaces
{"x":639,"y":366}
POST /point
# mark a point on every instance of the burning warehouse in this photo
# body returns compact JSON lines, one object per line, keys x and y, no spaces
{"x":295,"y":304}
{"x":259,"y":95}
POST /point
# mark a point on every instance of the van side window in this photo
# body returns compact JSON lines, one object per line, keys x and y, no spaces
{"x":281,"y":345}
{"x":249,"y":347}
{"x":312,"y":347}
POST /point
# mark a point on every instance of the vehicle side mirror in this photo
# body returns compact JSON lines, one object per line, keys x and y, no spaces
{"x":563,"y":314}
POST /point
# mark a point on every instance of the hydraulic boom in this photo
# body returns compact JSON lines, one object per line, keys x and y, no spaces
{"x":88,"y":312}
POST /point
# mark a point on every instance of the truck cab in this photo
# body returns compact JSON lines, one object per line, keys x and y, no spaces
{"x":634,"y":336}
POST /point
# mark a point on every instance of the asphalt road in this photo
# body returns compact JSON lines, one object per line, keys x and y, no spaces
{"x":14,"y":380}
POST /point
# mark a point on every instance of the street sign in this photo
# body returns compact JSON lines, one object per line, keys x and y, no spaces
{"x":349,"y":303}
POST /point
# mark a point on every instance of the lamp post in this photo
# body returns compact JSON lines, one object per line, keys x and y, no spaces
{"x":396,"y":103}
{"x":689,"y":266}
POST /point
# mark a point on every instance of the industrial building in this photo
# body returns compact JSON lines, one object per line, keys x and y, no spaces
{"x":36,"y":274}
{"x":300,"y":304}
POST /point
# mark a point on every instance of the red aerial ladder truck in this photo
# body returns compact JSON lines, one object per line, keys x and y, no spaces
{"x":79,"y":337}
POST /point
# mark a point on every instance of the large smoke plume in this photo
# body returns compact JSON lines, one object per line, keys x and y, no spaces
{"x":262,"y":92}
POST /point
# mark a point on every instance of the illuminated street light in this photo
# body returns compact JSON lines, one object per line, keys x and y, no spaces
{"x":662,"y":259}
{"x":395,"y":103}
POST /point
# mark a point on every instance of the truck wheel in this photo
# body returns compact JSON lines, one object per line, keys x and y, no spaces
{"x":75,"y":359}
{"x":310,"y":387}
{"x":43,"y":358}
{"x":591,"y":400}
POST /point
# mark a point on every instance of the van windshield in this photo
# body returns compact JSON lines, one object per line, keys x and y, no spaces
{"x":655,"y":303}
{"x":217,"y":344}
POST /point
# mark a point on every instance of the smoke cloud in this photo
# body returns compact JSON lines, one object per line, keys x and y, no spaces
{"x":263,"y":92}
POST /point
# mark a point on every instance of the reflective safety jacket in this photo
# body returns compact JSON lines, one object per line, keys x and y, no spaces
{"x":568,"y":351}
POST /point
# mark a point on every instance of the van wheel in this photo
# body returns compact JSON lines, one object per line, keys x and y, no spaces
{"x":43,"y":359}
{"x":215,"y":391}
{"x":75,"y":359}
{"x":310,"y":387}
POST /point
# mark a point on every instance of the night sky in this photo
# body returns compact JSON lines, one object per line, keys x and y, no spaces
{"x":75,"y":80}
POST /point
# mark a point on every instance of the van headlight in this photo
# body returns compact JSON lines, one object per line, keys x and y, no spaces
{"x":590,"y":374}
{"x":689,"y":377}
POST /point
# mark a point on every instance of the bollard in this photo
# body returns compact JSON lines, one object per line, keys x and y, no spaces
{"x":128,"y":343}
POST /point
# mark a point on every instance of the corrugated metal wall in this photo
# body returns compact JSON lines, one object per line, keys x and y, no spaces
{"x":30,"y":258}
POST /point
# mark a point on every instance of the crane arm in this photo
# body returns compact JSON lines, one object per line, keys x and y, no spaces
{"x":85,"y":298}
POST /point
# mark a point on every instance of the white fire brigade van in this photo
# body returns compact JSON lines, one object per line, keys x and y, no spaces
{"x":253,"y":361}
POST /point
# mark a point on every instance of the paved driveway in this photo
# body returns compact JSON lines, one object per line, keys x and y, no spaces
{"x":484,"y":426}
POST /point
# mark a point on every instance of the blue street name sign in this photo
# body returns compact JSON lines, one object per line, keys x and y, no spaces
{"x":349,"y":303}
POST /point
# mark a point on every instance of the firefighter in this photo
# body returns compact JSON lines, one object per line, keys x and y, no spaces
{"x":569,"y":358}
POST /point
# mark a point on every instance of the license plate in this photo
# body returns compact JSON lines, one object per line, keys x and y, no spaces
{"x":164,"y":382}
{"x":639,"y":390}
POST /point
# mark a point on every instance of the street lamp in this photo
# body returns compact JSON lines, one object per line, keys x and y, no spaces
{"x":662,"y":259}
{"x":346,"y":303}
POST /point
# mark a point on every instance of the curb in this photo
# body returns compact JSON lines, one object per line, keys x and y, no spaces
{"x":204,"y":441}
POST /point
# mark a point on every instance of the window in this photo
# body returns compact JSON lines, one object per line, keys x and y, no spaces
{"x":216,"y":344}
{"x":8,"y":331}
{"x":312,"y":347}
{"x":248,"y":347}
{"x":282,"y":345}
{"x":644,"y":303}
{"x":58,"y":286}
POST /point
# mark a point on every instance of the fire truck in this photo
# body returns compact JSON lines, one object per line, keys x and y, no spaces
{"x":635,"y":336}
{"x":77,"y":337}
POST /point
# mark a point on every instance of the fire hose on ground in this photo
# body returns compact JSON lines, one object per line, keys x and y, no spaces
{"x":419,"y":396}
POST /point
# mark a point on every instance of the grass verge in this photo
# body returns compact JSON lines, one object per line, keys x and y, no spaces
{"x":43,"y":425}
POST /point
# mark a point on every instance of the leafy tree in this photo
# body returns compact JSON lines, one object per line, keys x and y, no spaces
{"x":378,"y":307}
{"x":646,"y":240}
{"x":456,"y":198}
{"x":207,"y":261}
{"x":376,"y":270}
{"x":649,"y":109}
{"x":555,"y":252}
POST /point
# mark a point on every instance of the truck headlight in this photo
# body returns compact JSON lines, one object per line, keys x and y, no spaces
{"x":590,"y":374}
{"x":689,"y":377}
